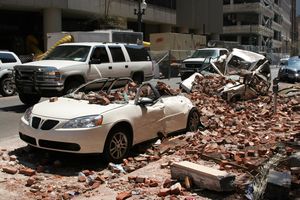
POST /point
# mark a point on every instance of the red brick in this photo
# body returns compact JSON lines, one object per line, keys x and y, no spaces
{"x":30,"y":181}
{"x":81,"y":178}
{"x":140,"y":179}
{"x":27,"y":171}
{"x":175,"y":189}
{"x":9,"y":170}
{"x":86,"y":172}
{"x":251,"y":153}
{"x":163,"y":192}
{"x":40,"y":168}
{"x":262,"y":151}
{"x":96,"y":185}
{"x":100,"y":178}
{"x":123,"y":195}
{"x":12,"y":158}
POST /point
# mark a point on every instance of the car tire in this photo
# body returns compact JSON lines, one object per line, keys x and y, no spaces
{"x":29,"y":99}
{"x":193,"y":121}
{"x":71,"y":86}
{"x":117,"y":145}
{"x":6,"y":87}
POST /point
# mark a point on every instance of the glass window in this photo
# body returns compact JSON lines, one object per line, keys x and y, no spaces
{"x":223,"y":52}
{"x":204,"y":53}
{"x":137,"y":53}
{"x":69,"y":52}
{"x":117,"y":54}
{"x":100,"y":53}
{"x":7,"y":58}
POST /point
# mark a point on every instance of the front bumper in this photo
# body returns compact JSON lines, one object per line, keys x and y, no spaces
{"x":81,"y":140}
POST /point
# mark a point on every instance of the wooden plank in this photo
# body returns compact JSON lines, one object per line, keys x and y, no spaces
{"x":202,"y":176}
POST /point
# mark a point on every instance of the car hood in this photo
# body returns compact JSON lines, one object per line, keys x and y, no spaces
{"x":67,"y":108}
{"x":53,"y":63}
{"x":193,"y":60}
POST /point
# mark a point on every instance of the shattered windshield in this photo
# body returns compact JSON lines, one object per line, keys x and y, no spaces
{"x":69,"y":52}
{"x":204,"y":53}
{"x":106,"y":91}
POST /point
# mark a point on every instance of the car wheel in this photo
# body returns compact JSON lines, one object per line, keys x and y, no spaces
{"x":7,"y":87}
{"x":29,"y":99}
{"x":71,"y":87}
{"x":193,"y":121}
{"x":117,"y":146}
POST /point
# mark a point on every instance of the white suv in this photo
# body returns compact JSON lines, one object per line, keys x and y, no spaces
{"x":7,"y":62}
{"x":72,"y":64}
{"x":198,"y":60}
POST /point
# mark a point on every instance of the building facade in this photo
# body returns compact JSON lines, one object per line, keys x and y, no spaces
{"x":25,"y":23}
{"x":258,"y":25}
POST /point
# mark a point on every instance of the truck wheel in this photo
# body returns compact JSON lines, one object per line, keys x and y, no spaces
{"x":138,"y":78}
{"x":71,"y":86}
{"x":117,"y":145}
{"x":7,"y":88}
{"x":29,"y":99}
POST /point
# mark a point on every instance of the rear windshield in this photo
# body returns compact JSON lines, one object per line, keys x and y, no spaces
{"x":137,"y":53}
{"x":74,"y":53}
{"x":204,"y":53}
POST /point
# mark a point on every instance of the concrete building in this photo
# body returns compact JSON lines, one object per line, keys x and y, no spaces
{"x":25,"y":23}
{"x":259,"y":25}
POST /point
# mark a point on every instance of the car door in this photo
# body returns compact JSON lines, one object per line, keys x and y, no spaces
{"x":175,"y":113}
{"x":120,"y":67}
{"x":151,"y":115}
{"x":99,"y":64}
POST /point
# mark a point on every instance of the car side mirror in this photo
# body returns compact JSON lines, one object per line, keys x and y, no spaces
{"x":145,"y":101}
{"x":95,"y":61}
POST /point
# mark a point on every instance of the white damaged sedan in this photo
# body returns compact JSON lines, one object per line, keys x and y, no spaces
{"x":75,"y":123}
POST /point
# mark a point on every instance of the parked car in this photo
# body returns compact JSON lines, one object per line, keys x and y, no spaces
{"x":290,"y":71}
{"x":80,"y":123}
{"x":7,"y":61}
{"x":72,"y":64}
{"x":199,"y":59}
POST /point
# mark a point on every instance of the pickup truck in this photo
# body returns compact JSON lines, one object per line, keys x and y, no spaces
{"x":199,"y":59}
{"x":72,"y":64}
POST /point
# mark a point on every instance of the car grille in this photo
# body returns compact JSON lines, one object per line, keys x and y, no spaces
{"x":28,"y":139}
{"x":193,"y":65}
{"x":35,"y":122}
{"x":59,"y":145}
{"x":26,"y":75}
{"x":45,"y":125}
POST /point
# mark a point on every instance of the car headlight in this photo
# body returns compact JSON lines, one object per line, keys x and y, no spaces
{"x":27,"y":114}
{"x":85,"y":122}
{"x":49,"y":74}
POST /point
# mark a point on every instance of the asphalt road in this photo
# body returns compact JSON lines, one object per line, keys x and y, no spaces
{"x":11,"y":109}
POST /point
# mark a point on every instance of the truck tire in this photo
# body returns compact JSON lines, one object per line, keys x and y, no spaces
{"x":29,"y":99}
{"x":6,"y":87}
{"x":138,"y":77}
{"x":71,"y":86}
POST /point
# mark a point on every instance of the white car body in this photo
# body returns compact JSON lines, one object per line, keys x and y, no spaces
{"x":167,"y":114}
